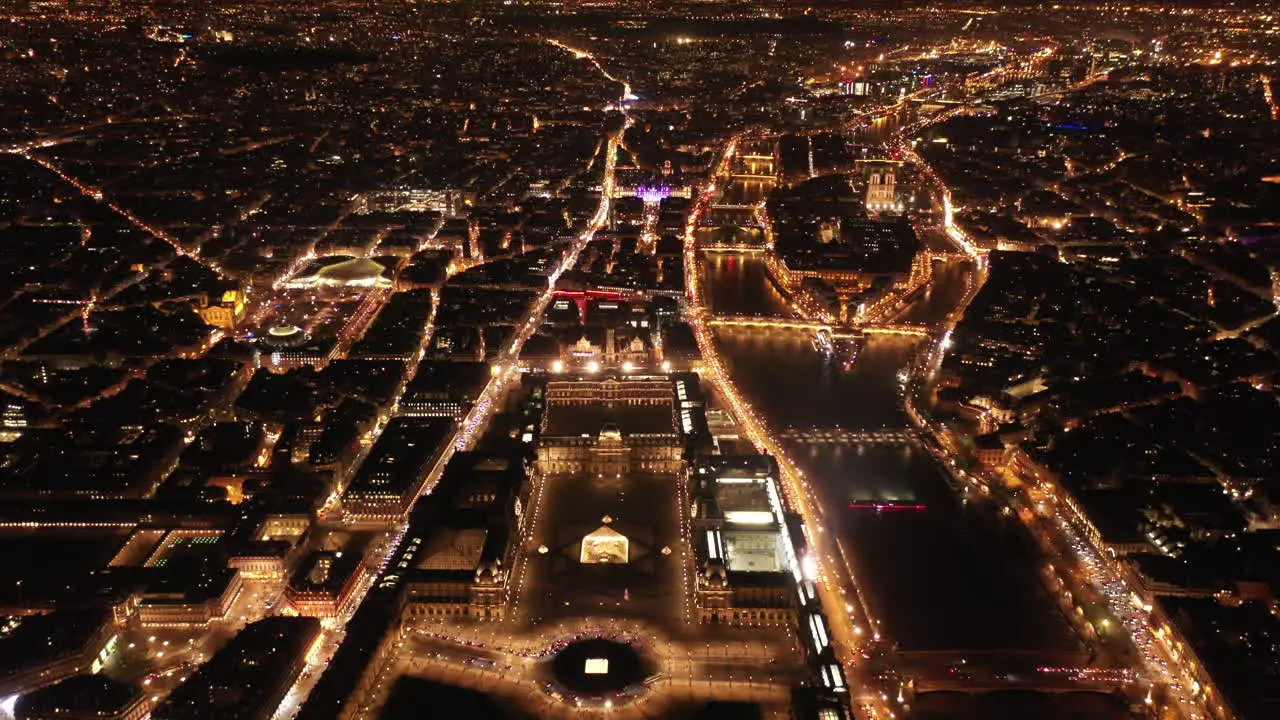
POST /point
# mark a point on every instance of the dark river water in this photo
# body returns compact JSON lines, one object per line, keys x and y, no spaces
{"x":954,"y":577}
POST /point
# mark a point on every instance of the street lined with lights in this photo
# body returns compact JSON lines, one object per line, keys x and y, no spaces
{"x":852,"y":627}
{"x":504,"y":370}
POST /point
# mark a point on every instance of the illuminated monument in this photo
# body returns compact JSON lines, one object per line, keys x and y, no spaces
{"x":604,"y":545}
{"x":882,"y":193}
{"x":601,"y":557}
{"x":610,"y":426}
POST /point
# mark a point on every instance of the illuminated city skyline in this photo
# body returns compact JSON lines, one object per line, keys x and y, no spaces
{"x":680,"y":359}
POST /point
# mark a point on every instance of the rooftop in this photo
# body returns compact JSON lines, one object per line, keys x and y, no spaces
{"x":590,"y":420}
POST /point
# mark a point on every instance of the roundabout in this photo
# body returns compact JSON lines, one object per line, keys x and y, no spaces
{"x":600,"y":668}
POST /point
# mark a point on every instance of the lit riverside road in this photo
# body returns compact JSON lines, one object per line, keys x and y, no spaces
{"x":951,"y":578}
{"x":850,"y":624}
{"x":1160,"y":662}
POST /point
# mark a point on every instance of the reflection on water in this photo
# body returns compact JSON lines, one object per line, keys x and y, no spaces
{"x":739,"y":285}
{"x":780,"y":371}
{"x":746,"y":192}
{"x":941,"y":296}
{"x":956,"y":576}
{"x":881,"y":129}
{"x":951,"y":577}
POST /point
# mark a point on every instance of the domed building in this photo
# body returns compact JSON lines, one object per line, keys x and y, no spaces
{"x":289,"y":346}
{"x":284,"y":336}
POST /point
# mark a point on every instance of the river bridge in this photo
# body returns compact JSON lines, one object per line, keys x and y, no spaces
{"x":846,"y":436}
{"x":836,"y":331}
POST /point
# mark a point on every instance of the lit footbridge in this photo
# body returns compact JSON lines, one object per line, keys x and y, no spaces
{"x":783,"y":323}
{"x":845,"y":436}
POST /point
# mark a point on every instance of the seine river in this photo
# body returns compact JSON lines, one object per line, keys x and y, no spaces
{"x":954,"y":577}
